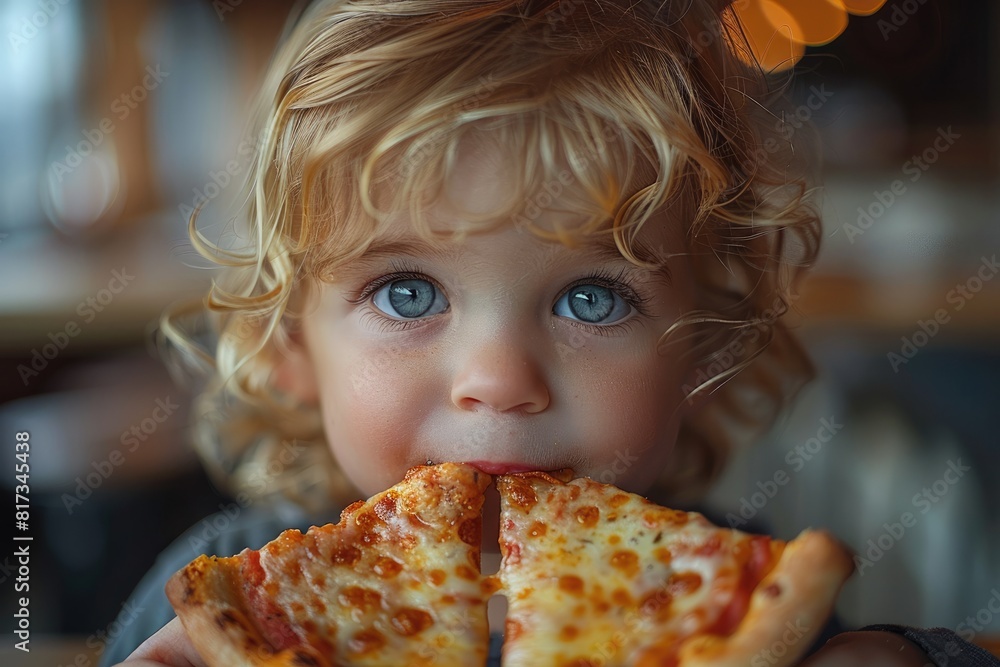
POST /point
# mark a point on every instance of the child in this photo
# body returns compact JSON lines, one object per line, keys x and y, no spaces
{"x":519,"y":233}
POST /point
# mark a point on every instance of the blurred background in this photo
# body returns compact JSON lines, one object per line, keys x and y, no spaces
{"x":122,"y":116}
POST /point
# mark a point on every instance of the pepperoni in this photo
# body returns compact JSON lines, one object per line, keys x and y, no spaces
{"x":471,"y":531}
{"x":587,"y":516}
{"x":409,"y":621}
{"x":759,"y":561}
{"x":710,"y":547}
{"x":511,"y":552}
{"x":466,"y":572}
{"x":568,"y":633}
{"x":270,"y":620}
{"x":252,"y":572}
{"x":437,"y":577}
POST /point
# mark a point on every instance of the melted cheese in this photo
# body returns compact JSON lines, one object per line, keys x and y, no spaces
{"x":595,"y":575}
{"x":396,"y":581}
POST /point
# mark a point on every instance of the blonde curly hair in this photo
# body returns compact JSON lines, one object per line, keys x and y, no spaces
{"x":653,"y":103}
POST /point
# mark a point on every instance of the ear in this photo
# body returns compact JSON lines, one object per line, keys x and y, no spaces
{"x":294,"y":373}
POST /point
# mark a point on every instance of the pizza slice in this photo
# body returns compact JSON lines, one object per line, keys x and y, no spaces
{"x":396,"y":582}
{"x":595,"y":576}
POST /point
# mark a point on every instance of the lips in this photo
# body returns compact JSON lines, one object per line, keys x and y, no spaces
{"x":502,"y":468}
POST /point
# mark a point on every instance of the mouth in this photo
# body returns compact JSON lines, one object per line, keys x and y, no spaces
{"x":502,"y":468}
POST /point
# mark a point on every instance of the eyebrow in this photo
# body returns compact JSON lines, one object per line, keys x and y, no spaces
{"x":602,"y":248}
{"x":605,"y":248}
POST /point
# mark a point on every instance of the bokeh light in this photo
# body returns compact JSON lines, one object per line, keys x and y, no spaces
{"x":779,"y":30}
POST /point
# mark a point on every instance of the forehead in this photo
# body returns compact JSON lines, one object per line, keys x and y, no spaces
{"x":598,"y":247}
{"x":558,"y":201}
{"x":655,"y":248}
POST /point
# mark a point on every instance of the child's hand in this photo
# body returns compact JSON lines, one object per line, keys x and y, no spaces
{"x":885,"y":649}
{"x":169,"y":646}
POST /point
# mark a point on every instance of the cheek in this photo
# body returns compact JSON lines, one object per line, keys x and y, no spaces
{"x":633,"y":413}
{"x":372,"y":400}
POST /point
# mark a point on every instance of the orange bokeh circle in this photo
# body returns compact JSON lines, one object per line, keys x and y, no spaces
{"x":863,"y":7}
{"x":816,"y":21}
{"x":772,"y":33}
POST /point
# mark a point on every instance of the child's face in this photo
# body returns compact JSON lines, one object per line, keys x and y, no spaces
{"x":482,"y":353}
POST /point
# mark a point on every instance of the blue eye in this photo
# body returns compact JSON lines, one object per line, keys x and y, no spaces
{"x":592,"y":304}
{"x":410,"y":298}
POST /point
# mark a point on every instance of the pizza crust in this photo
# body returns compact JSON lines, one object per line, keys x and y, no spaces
{"x":205,"y":596}
{"x":787,"y":610}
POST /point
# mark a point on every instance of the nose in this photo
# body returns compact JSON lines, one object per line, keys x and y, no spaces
{"x":501,"y":374}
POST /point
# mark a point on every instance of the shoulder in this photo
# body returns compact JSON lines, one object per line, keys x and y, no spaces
{"x":941,"y":645}
{"x":224,"y":533}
